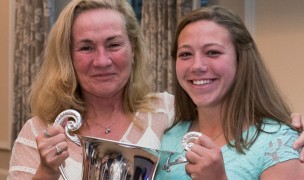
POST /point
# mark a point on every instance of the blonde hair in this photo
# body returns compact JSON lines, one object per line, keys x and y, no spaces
{"x":56,"y":89}
{"x":253,"y":95}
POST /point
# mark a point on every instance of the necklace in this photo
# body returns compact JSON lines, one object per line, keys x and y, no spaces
{"x":107,"y":128}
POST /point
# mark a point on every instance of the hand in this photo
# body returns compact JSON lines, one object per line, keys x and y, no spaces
{"x":205,"y":160}
{"x":52,"y":147}
{"x":298,"y":123}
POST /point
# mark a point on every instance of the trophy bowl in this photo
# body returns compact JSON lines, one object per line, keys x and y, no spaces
{"x":106,"y":159}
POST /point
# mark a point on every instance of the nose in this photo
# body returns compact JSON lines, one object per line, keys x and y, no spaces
{"x":102,"y":58}
{"x":199,"y":64}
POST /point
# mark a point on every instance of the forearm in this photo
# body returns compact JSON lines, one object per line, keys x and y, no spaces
{"x":46,"y":174}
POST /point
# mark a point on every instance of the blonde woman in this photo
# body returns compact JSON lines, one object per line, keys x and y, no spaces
{"x":94,"y":63}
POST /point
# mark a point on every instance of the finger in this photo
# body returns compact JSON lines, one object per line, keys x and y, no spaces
{"x":299,"y":142}
{"x":193,"y":156}
{"x":199,"y":150}
{"x":202,"y":147}
{"x":207,"y":142}
{"x":302,"y":155}
{"x":198,"y":153}
{"x":54,"y":130}
{"x":56,"y":155}
{"x":57,"y":159}
{"x":60,"y":148}
{"x":50,"y":132}
{"x":192,"y":175}
{"x":46,"y":133}
{"x":45,"y":145}
{"x":302,"y":122}
{"x":298,"y":145}
{"x":191,"y":170}
{"x":296,"y":120}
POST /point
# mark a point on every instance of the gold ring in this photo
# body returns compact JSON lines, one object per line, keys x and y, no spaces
{"x":46,"y":134}
{"x":58,"y":150}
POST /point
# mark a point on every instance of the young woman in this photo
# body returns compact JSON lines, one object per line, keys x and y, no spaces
{"x":225,"y":92}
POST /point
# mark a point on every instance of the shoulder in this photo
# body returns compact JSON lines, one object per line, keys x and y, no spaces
{"x":33,"y":127}
{"x":272,"y":146}
{"x":25,"y":157}
{"x":278,"y":142}
{"x":275,"y":133}
{"x":165,"y":97}
{"x":273,"y":126}
{"x":172,"y":138}
{"x":163,"y":102}
{"x":274,"y":140}
{"x":180,"y":128}
{"x":159,"y":115}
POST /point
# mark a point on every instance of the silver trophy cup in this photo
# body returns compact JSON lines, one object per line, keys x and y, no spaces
{"x":111,"y":160}
{"x":105,"y":159}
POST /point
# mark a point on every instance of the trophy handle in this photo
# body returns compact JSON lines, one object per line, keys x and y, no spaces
{"x":168,"y":164}
{"x":187,"y":142}
{"x":70,"y":125}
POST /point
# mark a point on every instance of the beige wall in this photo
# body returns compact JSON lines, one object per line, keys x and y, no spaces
{"x":236,"y":5}
{"x":279,"y":32}
{"x":280,"y":37}
{"x":4,"y":87}
{"x":278,"y":29}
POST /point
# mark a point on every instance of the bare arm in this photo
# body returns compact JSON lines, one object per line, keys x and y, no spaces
{"x":291,"y":169}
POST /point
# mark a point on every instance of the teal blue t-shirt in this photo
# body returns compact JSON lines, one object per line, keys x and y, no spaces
{"x":268,"y":150}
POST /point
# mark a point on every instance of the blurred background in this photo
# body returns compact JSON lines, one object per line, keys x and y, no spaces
{"x":277,"y":26}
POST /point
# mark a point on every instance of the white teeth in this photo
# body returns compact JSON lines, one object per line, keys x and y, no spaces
{"x":201,"y":82}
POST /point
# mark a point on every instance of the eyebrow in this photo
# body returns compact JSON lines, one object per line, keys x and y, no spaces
{"x":183,"y":46}
{"x":206,"y":45}
{"x":114,"y":37}
{"x":85,"y":41}
{"x":108,"y":39}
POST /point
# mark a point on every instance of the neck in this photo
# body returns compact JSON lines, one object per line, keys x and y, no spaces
{"x":107,"y":125}
{"x":105,"y":117}
{"x":103,"y":105}
{"x":209,"y":123}
{"x":105,"y":108}
{"x":207,"y":129}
